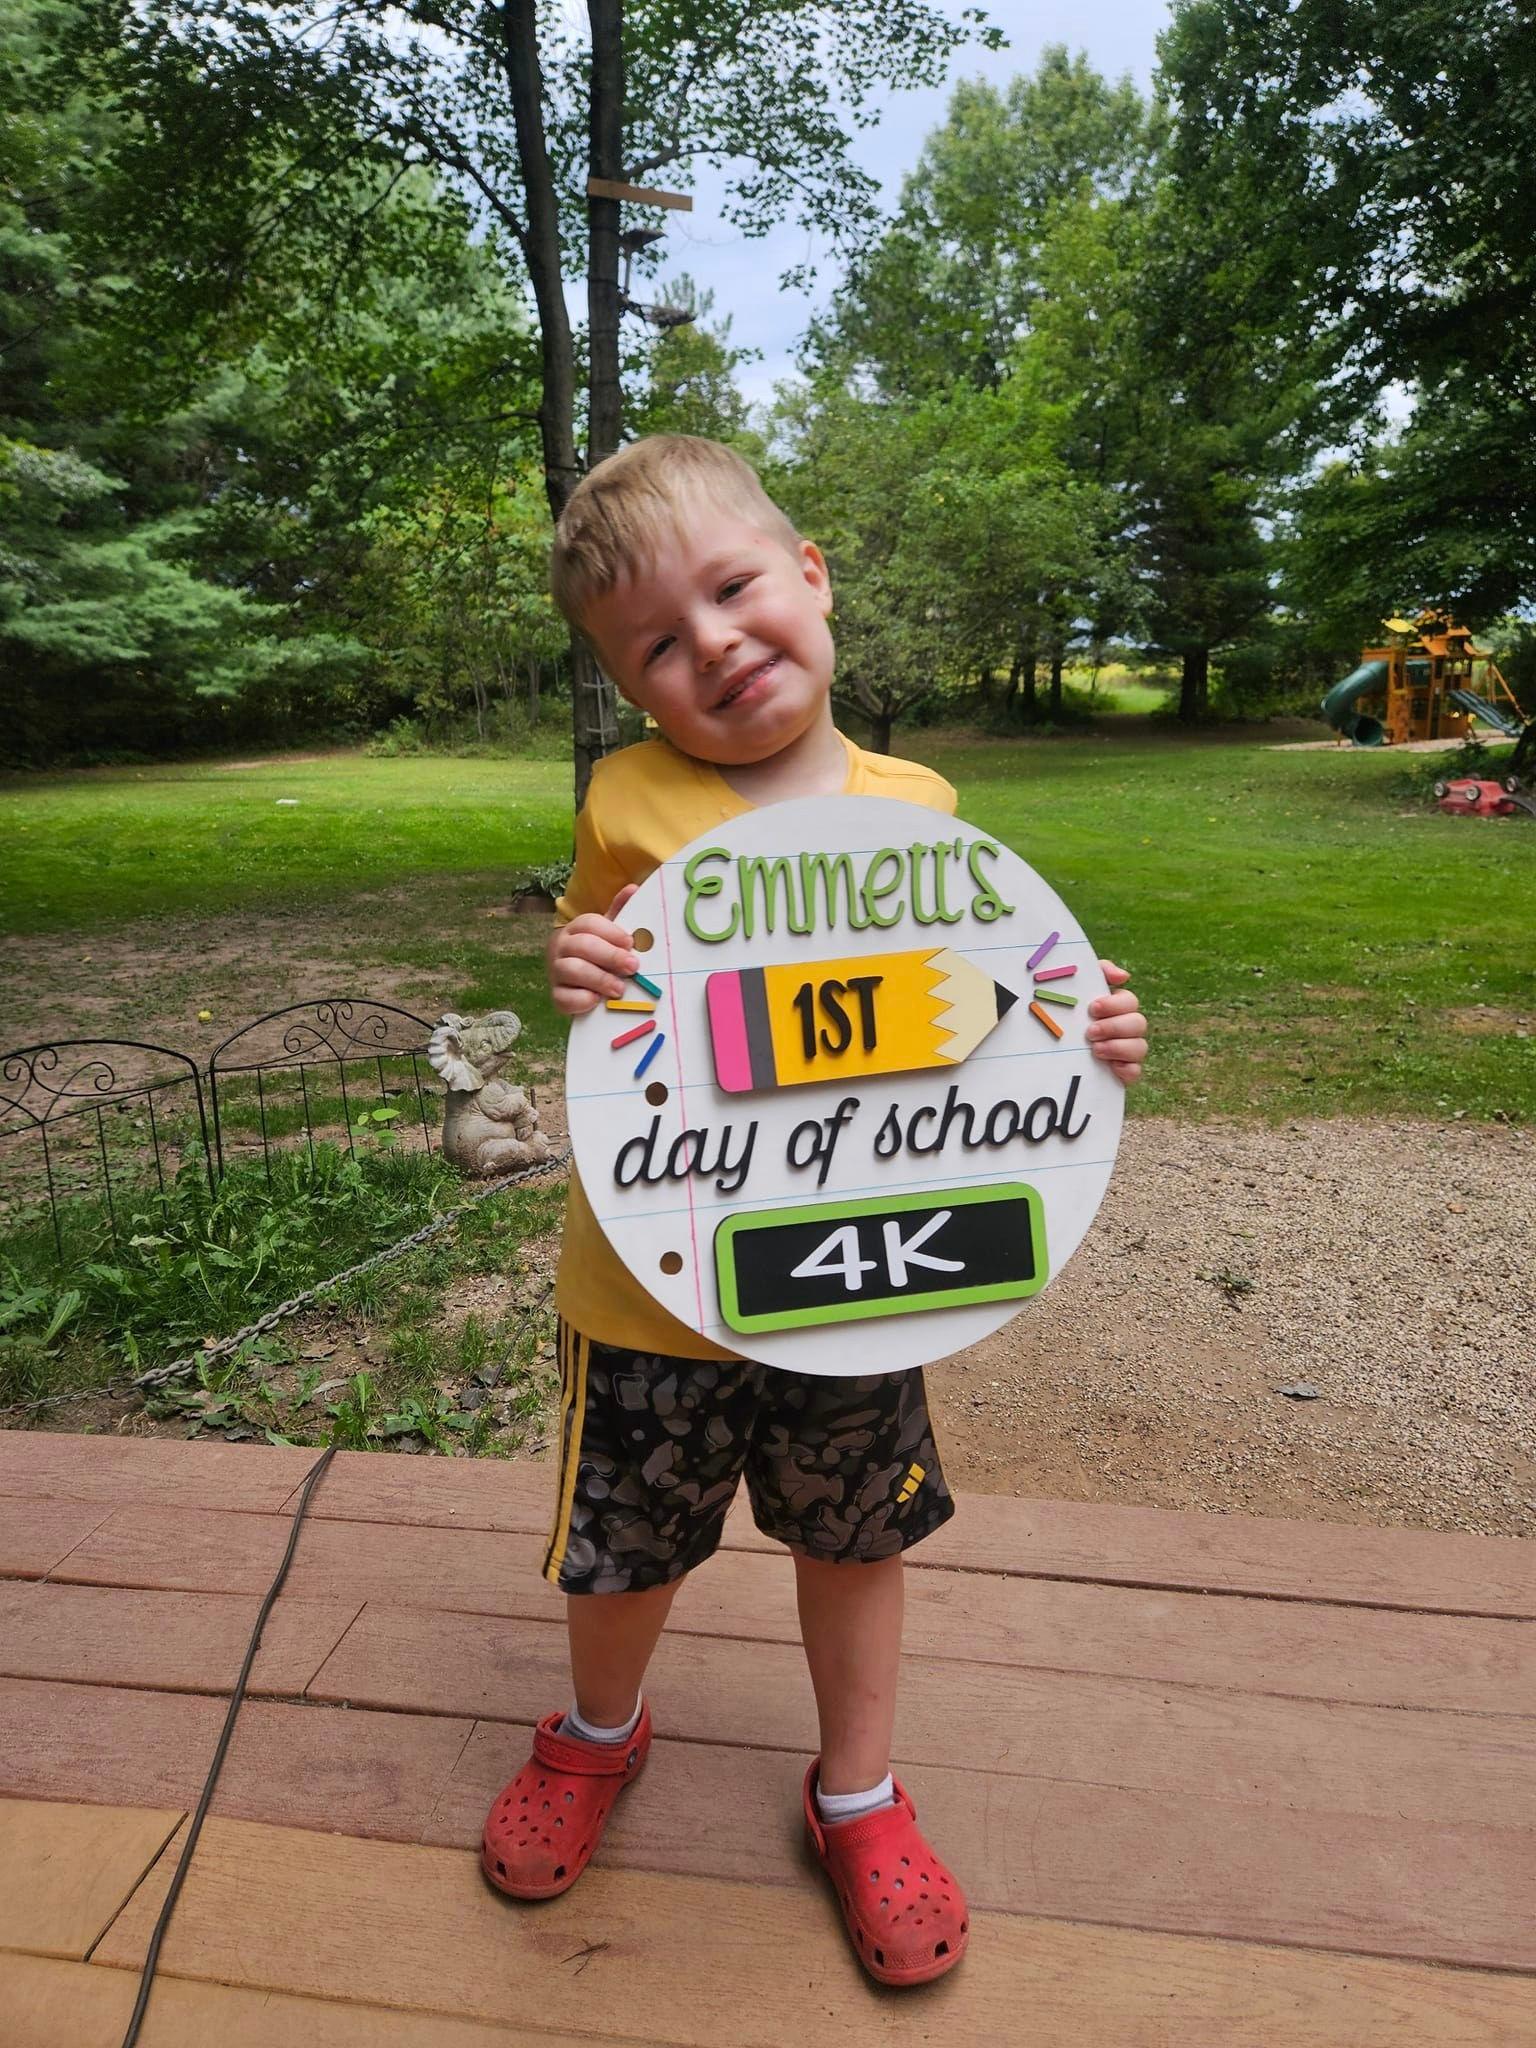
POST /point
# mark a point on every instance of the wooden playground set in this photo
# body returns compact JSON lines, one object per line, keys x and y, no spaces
{"x":1428,"y":681}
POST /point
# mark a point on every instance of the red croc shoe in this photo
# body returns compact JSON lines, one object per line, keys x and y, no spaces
{"x":905,"y":1915}
{"x":540,"y":1833}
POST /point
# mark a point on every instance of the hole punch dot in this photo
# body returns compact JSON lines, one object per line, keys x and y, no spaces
{"x":671,"y":1262}
{"x":942,"y":1949}
{"x":642,"y":941}
{"x":656,"y":1094}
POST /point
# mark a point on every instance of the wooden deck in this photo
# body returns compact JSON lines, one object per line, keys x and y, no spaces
{"x":1207,"y":1780}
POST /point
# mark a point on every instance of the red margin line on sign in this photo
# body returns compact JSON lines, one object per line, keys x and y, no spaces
{"x":682,"y":1100}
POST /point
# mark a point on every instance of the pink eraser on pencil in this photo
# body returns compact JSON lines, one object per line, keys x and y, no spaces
{"x":728,"y":1032}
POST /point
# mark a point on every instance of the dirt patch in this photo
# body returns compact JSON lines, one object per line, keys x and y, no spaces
{"x":150,"y":980}
{"x":1487,"y":1020}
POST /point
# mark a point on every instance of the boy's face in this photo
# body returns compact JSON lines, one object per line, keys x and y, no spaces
{"x":724,"y":642}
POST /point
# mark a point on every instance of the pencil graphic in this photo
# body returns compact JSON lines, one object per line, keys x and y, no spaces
{"x":836,"y":1020}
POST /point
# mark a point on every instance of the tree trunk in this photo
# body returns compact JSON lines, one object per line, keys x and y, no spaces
{"x":594,"y":720}
{"x":1029,"y":658}
{"x":1056,"y":682}
{"x":880,"y":723}
{"x":533,"y":692}
{"x":1194,"y":684}
{"x":1015,"y":670}
{"x":605,"y":418}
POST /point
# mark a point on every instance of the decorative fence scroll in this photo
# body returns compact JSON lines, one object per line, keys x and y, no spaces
{"x":72,"y":1099}
{"x":90,"y":1118}
{"x":335,"y":1034}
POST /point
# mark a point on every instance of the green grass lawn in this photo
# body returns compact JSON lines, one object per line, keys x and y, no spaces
{"x":93,"y":849}
{"x":1306,"y":937}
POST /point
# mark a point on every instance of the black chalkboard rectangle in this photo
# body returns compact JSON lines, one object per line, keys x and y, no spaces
{"x":832,"y":1262}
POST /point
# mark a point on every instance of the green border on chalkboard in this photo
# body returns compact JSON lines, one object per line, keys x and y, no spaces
{"x":903,"y":1305}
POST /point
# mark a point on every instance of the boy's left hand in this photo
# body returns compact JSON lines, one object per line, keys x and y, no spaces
{"x":1118,"y":1036}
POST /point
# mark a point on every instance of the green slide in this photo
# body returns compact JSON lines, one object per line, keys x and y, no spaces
{"x":1338,"y":705}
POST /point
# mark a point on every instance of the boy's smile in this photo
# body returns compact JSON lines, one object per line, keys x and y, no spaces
{"x":724,"y":641}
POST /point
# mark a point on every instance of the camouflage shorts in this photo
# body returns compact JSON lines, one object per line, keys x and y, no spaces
{"x":651,"y":1449}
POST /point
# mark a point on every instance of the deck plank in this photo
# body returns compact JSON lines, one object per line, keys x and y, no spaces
{"x":369,"y":1774}
{"x":52,"y":2004}
{"x":36,"y":1535}
{"x":1420,"y":1570}
{"x":66,"y":1872}
{"x":1086,"y":1852}
{"x":174,"y":1642}
{"x":52,"y":1465}
{"x":1189,"y":1860}
{"x":325,"y":1916}
{"x":1154,"y":1737}
{"x":1397,"y":1659}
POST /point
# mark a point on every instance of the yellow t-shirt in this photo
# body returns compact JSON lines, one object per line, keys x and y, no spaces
{"x":643,"y":804}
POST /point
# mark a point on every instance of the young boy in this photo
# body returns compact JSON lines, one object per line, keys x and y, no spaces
{"x":710,"y":613}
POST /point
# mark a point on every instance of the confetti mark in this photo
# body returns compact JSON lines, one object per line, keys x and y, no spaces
{"x":1051,"y":995}
{"x":650,"y":1053}
{"x":1041,"y":950}
{"x":615,"y":1003}
{"x":629,"y":1037}
{"x":649,"y":986}
{"x":1047,"y":1020}
{"x":1053,"y":973}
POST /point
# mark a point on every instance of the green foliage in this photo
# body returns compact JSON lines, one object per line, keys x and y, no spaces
{"x":1372,"y":162}
{"x":190,"y":1263}
{"x":261,"y":484}
{"x":689,"y":377}
{"x":957,"y":278}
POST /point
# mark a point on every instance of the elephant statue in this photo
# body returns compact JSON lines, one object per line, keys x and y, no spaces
{"x":489,"y":1125}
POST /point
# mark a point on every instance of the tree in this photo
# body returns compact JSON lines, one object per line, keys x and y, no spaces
{"x":689,"y":377}
{"x":185,"y":499}
{"x":281,"y":100}
{"x":956,"y":539}
{"x":1181,"y":406}
{"x":951,"y":286}
{"x":1374,"y":160}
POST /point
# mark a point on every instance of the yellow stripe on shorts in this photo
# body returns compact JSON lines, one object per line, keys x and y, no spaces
{"x":574,"y":1353}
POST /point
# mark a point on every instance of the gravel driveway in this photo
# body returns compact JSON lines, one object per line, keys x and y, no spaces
{"x":1391,"y":1266}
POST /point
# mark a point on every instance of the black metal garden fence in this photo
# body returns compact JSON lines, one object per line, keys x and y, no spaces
{"x":85,"y":1120}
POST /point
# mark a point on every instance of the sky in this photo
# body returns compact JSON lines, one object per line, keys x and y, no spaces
{"x":1118,"y":36}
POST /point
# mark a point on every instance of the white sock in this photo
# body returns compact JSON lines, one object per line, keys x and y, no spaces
{"x":585,"y":1731}
{"x":836,"y":1806}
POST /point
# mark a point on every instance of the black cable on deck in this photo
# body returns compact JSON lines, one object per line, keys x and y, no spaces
{"x":153,"y":1956}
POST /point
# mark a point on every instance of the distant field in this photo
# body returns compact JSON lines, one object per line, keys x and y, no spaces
{"x":1117,"y":690}
{"x":1306,"y":939}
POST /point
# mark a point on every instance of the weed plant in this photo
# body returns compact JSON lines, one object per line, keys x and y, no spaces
{"x":188,"y":1263}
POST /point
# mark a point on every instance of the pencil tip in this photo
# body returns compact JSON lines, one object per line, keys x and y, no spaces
{"x":1005,"y":1000}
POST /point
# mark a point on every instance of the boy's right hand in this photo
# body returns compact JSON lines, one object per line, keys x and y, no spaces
{"x":590,"y":957}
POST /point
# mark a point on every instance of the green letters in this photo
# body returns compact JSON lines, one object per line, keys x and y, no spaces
{"x":699,"y":886}
{"x":986,"y":904}
{"x":833,"y":874}
{"x":767,"y":874}
{"x":875,"y":891}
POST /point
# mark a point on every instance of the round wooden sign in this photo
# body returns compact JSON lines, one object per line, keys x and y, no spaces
{"x":843,"y":1119}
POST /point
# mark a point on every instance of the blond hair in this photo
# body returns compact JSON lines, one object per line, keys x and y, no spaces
{"x":621,"y":513}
